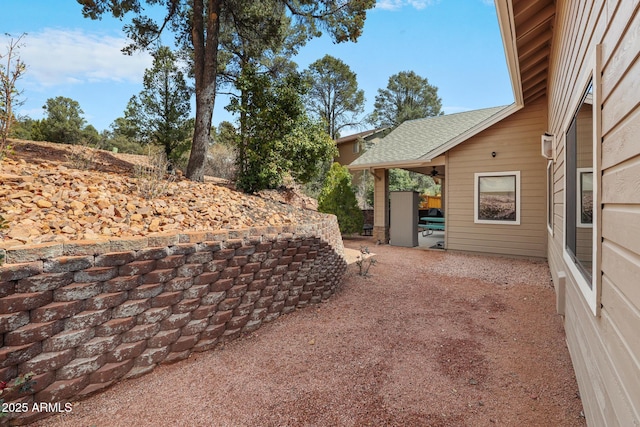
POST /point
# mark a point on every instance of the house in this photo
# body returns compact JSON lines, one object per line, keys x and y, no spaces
{"x":464,"y":150}
{"x":562,"y":166}
{"x":352,"y":146}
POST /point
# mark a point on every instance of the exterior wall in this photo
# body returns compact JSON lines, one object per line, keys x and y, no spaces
{"x":516,"y":141}
{"x":345,"y":148}
{"x":360,"y":179}
{"x":84,"y":315}
{"x":346,"y":154}
{"x":604,"y":348}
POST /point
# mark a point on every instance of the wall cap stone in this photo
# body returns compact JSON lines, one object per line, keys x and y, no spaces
{"x":20,"y":254}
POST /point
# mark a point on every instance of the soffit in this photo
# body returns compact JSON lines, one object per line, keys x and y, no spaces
{"x":534,"y":20}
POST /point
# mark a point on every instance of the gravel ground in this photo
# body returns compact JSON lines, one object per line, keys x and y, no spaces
{"x":429,"y":339}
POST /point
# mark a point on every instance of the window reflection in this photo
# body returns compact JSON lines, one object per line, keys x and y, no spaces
{"x":579,"y":180}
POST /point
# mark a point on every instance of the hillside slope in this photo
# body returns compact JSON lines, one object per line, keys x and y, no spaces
{"x":44,"y":197}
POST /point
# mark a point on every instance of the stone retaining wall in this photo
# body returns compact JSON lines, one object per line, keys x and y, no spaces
{"x":82,"y":315}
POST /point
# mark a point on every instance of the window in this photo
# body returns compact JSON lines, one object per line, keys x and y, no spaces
{"x":356,"y":147}
{"x":579,"y":187}
{"x":497,"y":198}
{"x":550,"y":196}
{"x":582,"y":196}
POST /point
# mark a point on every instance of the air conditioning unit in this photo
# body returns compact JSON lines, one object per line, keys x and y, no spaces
{"x":547,"y":146}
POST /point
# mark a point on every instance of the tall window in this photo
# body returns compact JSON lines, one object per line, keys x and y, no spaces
{"x":497,"y":198}
{"x":579,"y":187}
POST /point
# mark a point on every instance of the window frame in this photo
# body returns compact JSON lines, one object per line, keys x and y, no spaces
{"x":356,"y":147}
{"x":591,"y":289}
{"x":550,"y":196}
{"x":476,"y":197}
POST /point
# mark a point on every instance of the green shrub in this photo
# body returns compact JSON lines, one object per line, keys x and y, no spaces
{"x":20,"y":384}
{"x":221,"y":162}
{"x":338,"y":198}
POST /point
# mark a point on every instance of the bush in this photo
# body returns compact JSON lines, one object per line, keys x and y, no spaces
{"x":123,"y":144}
{"x":221,"y":162}
{"x":152,"y":178}
{"x":338,"y":198}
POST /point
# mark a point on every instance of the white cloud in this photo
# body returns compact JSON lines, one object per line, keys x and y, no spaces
{"x":56,"y":56}
{"x":399,"y":4}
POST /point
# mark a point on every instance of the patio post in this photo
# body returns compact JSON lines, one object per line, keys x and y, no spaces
{"x":381,"y":205}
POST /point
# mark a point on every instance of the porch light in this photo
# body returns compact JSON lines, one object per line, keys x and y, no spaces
{"x":547,"y":143}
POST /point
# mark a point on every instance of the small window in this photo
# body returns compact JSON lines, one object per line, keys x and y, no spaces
{"x":356,"y":147}
{"x":497,"y":198}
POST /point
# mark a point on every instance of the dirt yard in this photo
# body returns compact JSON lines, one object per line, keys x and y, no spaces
{"x":429,"y":339}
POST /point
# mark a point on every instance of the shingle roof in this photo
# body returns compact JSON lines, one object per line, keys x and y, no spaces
{"x":423,"y":139}
{"x":353,"y":137}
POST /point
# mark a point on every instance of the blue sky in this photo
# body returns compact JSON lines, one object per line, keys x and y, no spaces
{"x":455,"y":44}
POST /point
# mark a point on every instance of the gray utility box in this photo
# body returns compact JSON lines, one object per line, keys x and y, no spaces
{"x":403,"y":230}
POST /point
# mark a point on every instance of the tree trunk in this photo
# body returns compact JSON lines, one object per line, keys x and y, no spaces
{"x":205,"y":67}
{"x":204,"y":113}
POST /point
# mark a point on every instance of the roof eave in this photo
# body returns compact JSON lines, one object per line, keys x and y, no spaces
{"x":391,"y":165}
{"x":426,"y":159}
{"x":507,"y":26}
{"x":499,"y":116}
{"x":355,"y":136}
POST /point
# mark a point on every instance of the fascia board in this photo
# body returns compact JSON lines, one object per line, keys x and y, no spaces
{"x":390,"y":165}
{"x":504,"y":9}
{"x":501,"y":115}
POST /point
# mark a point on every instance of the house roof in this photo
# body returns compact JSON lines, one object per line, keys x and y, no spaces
{"x":355,"y":136}
{"x":417,"y":142}
{"x":527,"y":34}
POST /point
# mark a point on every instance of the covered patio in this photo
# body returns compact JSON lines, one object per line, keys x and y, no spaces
{"x":464,"y":150}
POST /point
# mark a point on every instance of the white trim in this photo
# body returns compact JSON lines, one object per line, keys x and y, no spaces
{"x":476,"y":194}
{"x":390,"y":165}
{"x":504,"y":9}
{"x":590,"y":291}
{"x":550,"y":196}
{"x":597,"y":180}
{"x":427,"y":158}
{"x":485,"y":124}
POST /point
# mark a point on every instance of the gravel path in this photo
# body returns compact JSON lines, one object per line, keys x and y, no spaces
{"x":429,"y":339}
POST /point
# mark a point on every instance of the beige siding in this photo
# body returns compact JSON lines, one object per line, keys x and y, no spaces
{"x":346,"y":154}
{"x":605,"y":349}
{"x":516,"y":141}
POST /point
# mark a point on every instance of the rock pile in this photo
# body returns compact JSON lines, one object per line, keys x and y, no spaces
{"x":51,"y":202}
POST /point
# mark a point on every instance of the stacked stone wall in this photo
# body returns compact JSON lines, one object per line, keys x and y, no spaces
{"x":84,"y":315}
